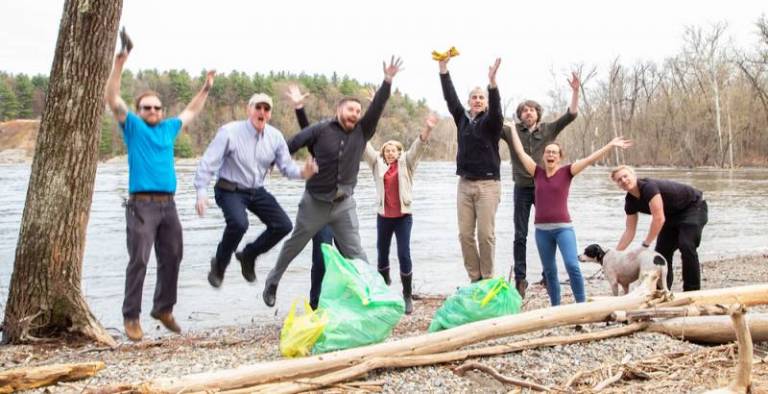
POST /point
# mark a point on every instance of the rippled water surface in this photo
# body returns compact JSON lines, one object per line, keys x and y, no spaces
{"x":737,"y":225}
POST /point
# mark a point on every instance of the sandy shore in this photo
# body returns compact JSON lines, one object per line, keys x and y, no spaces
{"x":692,"y":369}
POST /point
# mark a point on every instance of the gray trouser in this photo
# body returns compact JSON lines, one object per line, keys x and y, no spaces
{"x":313,"y":214}
{"x":151,"y":223}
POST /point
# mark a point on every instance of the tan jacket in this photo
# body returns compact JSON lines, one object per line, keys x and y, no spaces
{"x":406,"y":165}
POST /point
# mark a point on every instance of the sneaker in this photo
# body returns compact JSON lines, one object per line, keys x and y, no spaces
{"x":133,"y":329}
{"x":247,"y":266}
{"x":214,"y":276}
{"x":520,"y":286}
{"x":168,"y":321}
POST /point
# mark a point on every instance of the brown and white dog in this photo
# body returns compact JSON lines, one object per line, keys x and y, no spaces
{"x":624,"y":267}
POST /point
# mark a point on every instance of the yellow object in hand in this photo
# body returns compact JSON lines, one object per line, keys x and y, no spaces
{"x":440,"y":56}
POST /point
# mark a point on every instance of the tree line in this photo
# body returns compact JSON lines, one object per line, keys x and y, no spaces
{"x":705,"y":106}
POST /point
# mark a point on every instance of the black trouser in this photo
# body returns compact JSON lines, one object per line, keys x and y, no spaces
{"x":683,"y":231}
{"x":524,"y":199}
{"x":152,"y":223}
{"x":324,"y":236}
{"x":262,"y":204}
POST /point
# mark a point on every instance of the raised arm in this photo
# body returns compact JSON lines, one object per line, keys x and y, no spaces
{"x":528,"y":163}
{"x":297,"y":99}
{"x":414,"y":153}
{"x":580,"y":165}
{"x":112,"y":94}
{"x":196,"y":105}
{"x":373,"y":113}
{"x":575,"y":87}
{"x":495,"y":115}
{"x":449,"y":92}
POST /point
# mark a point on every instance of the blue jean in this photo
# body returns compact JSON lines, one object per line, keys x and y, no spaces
{"x":324,"y":236}
{"x":262,"y":204}
{"x":547,"y":242}
{"x":524,"y":199}
{"x":401,"y":228}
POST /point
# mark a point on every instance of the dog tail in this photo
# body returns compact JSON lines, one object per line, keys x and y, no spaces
{"x":659,"y":260}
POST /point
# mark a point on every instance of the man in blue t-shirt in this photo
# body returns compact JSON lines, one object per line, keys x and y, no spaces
{"x":150,"y":212}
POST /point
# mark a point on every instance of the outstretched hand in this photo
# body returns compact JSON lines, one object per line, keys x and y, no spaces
{"x":492,"y":72}
{"x":209,"y":76}
{"x":294,"y":94}
{"x":444,"y":65}
{"x":620,"y":142}
{"x":574,"y":82}
{"x":429,"y":124}
{"x":395,"y":66}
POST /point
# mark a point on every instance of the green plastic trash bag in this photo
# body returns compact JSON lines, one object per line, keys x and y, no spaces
{"x":479,"y":301}
{"x":361,"y":308}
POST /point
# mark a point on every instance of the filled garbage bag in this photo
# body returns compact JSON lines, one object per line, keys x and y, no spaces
{"x":299,"y":333}
{"x":361,"y":308}
{"x":481,"y":300}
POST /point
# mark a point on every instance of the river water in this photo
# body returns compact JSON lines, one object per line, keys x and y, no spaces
{"x":737,"y":226}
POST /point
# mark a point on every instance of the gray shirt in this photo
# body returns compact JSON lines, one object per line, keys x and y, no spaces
{"x":240,"y":154}
{"x":533,"y":144}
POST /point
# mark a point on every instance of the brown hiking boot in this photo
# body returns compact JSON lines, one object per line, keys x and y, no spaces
{"x":133,"y":329}
{"x":168,"y":321}
{"x":520,"y":286}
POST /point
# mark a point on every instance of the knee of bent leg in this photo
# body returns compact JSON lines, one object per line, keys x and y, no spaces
{"x":283,"y":227}
{"x":239,"y":225}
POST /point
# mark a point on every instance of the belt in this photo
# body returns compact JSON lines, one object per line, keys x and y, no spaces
{"x":151,"y":196}
{"x":226,"y":185}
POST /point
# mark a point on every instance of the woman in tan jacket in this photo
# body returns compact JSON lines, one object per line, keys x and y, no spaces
{"x":393,"y":174}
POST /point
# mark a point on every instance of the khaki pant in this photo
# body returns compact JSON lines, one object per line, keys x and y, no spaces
{"x":476,"y":203}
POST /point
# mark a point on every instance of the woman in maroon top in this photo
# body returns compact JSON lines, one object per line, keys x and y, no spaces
{"x":553,"y":223}
{"x":393,"y":174}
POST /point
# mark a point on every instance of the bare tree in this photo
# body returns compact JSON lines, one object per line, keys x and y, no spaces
{"x":45,"y":297}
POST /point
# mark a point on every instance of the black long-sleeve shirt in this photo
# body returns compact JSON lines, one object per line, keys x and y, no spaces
{"x":337,"y":151}
{"x":478,"y":154}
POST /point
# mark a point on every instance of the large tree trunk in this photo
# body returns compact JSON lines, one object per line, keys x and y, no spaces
{"x":45,"y":297}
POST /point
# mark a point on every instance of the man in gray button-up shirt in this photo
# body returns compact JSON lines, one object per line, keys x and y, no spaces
{"x":241,"y":155}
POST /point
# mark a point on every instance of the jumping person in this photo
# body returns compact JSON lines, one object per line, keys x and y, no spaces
{"x":535,"y":135}
{"x":678,"y":216}
{"x":241,"y":155}
{"x":150,"y":212}
{"x":553,"y":222}
{"x":477,"y":165}
{"x":328,"y":198}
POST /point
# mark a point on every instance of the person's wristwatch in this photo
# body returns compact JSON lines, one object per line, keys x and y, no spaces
{"x":645,"y":245}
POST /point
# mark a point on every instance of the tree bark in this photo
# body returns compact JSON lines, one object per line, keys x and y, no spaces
{"x":45,"y":297}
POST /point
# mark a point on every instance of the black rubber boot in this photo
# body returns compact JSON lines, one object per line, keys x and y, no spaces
{"x":385,"y":274}
{"x":407,"y":292}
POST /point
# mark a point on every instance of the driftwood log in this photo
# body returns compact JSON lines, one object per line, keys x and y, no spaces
{"x":714,"y":330}
{"x":25,"y":378}
{"x":315,"y":370}
{"x":742,"y":382}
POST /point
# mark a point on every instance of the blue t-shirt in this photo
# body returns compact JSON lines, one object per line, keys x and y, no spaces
{"x":150,"y":154}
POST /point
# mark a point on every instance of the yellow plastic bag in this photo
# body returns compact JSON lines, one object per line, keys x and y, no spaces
{"x":300,"y":333}
{"x":452,"y":52}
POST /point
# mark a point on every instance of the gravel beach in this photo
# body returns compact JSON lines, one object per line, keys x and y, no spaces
{"x":667,"y":364}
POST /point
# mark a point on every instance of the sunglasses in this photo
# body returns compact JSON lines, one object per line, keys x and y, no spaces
{"x":148,"y":108}
{"x":264,"y":107}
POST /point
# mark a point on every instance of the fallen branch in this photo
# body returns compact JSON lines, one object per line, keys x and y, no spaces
{"x":32,"y":377}
{"x":711,"y":329}
{"x":427,"y":344}
{"x":669,"y":312}
{"x":607,"y":382}
{"x":501,"y":378}
{"x":742,"y":382}
{"x":353,"y":372}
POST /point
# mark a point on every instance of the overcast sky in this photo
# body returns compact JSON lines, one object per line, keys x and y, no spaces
{"x":533,"y":38}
